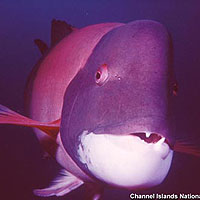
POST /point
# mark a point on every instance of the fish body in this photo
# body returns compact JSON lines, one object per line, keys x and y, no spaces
{"x":133,"y":97}
{"x":100,"y":102}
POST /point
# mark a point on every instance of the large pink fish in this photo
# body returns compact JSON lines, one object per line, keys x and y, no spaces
{"x":99,"y":101}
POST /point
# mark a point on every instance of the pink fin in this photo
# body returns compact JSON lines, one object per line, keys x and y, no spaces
{"x":59,"y":29}
{"x":41,"y":45}
{"x":8,"y":116}
{"x":187,"y":148}
{"x":62,"y":185}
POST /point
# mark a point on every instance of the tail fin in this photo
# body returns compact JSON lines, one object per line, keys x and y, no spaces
{"x":187,"y":148}
{"x":8,"y":116}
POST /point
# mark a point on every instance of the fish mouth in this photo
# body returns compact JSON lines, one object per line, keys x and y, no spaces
{"x":151,"y":138}
{"x":150,"y":129}
{"x":137,"y":160}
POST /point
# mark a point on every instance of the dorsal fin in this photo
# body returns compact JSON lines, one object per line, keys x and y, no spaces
{"x":41,"y":45}
{"x":59,"y":29}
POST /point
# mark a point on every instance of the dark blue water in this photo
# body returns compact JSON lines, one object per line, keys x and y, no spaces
{"x":21,"y":165}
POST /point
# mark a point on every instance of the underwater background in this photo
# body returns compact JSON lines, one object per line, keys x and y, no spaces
{"x":22,"y":167}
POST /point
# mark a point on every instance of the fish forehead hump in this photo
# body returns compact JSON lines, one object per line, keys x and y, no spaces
{"x":136,"y":94}
{"x":139,"y":60}
{"x":133,"y":49}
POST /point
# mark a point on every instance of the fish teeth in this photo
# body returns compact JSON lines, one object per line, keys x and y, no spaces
{"x":147,"y":134}
{"x":161,"y":141}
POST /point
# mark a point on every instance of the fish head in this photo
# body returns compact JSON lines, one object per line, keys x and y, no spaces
{"x":116,"y":118}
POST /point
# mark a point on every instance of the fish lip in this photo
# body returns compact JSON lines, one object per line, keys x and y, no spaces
{"x":137,"y":125}
{"x":154,"y":138}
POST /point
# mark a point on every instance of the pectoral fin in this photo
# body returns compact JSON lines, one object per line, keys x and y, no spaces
{"x":63,"y":184}
{"x":184,"y":147}
{"x":8,"y":116}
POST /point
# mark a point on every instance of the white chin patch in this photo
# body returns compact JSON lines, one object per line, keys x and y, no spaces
{"x":125,"y":161}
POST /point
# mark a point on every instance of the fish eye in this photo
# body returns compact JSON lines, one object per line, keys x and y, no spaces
{"x":175,"y":89}
{"x":101,"y":74}
{"x":98,"y":75}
